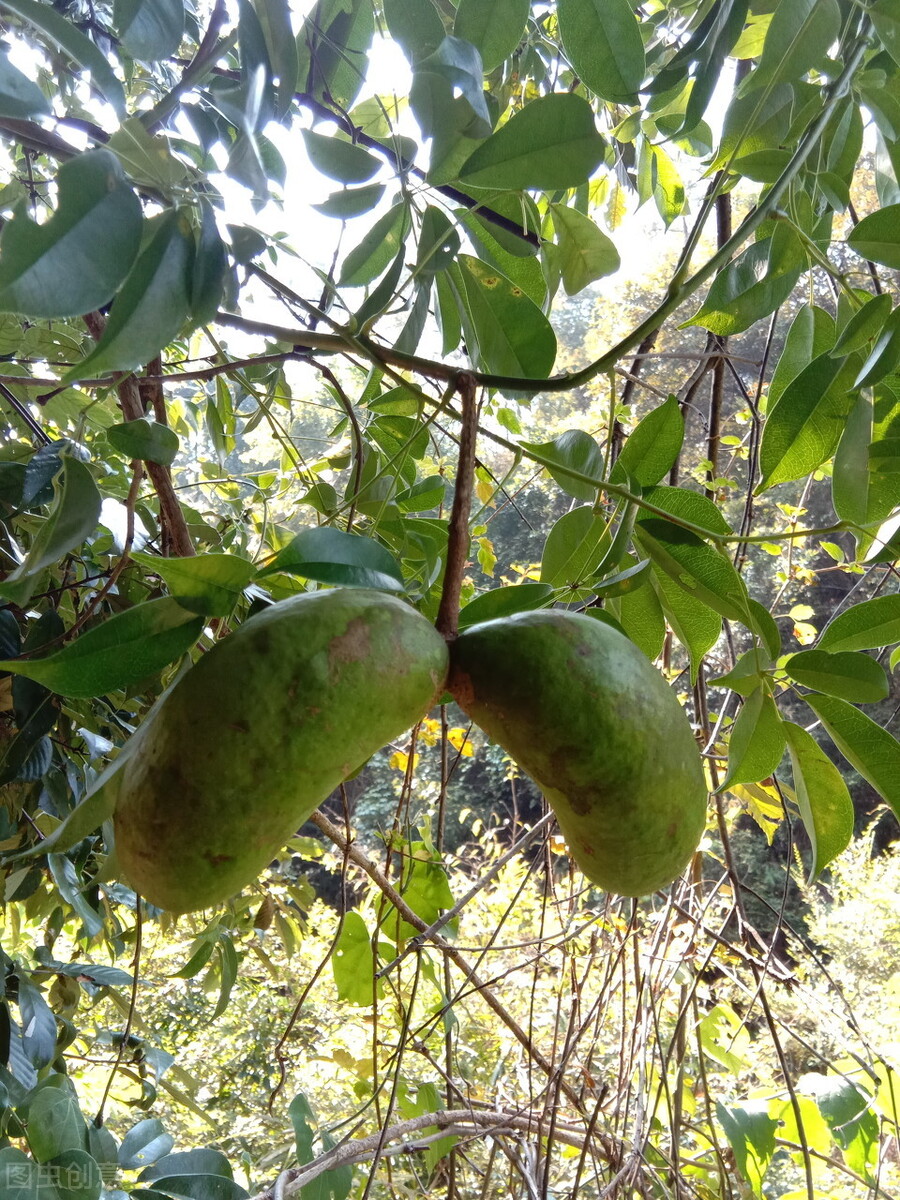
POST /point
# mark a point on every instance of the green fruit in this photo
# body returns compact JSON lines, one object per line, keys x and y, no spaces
{"x":584,"y":713}
{"x":253,"y":738}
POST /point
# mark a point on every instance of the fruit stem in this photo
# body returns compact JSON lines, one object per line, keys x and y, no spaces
{"x":447,"y":622}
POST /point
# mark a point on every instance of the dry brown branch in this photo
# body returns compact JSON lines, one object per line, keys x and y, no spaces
{"x":459,"y":1122}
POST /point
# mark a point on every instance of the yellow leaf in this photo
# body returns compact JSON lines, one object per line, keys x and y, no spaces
{"x":802,"y":612}
{"x":484,"y":490}
{"x":458,"y":738}
{"x":399,"y":760}
{"x":487,"y":559}
{"x":805,"y":633}
{"x":763,"y":804}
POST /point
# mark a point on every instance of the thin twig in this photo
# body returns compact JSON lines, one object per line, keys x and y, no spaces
{"x":378,"y":876}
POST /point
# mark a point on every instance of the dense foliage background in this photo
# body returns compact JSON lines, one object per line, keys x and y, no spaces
{"x":251,"y":255}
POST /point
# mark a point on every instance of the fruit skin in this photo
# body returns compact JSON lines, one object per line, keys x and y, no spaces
{"x":249,"y":741}
{"x":584,"y":713}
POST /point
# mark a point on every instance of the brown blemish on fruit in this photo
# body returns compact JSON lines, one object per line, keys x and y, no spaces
{"x":351,"y":646}
{"x":459,"y":685}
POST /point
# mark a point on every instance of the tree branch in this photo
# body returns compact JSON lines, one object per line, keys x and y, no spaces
{"x":447,"y":622}
{"x":171,"y":517}
{"x":375,"y":873}
{"x":460,"y":1121}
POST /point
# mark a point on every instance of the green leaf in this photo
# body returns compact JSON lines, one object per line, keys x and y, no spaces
{"x":121,"y":651}
{"x":524,"y":271}
{"x":551,"y":143}
{"x":865,"y":484}
{"x":873,"y":751}
{"x":210,"y":268}
{"x":151,"y":308}
{"x":146,"y":440}
{"x":751,"y":1134}
{"x":652,"y":447}
{"x":351,"y":202}
{"x":427,"y":1100}
{"x":576,"y":450}
{"x":439,"y":242}
{"x":19,"y":95}
{"x":822,"y":797}
{"x":884,"y":355}
{"x":799,"y":37}
{"x":754,"y":285}
{"x":426,"y":494}
{"x":864,"y":325}
{"x":866,"y":626}
{"x":505,"y":331}
{"x":19,"y":1176}
{"x":574,"y":548}
{"x":806,"y":425}
{"x":338,"y":158}
{"x":747,"y":673}
{"x":687,"y":506}
{"x":334,"y":47}
{"x":849,"y":674}
{"x":73,"y":1175}
{"x":494,"y":29}
{"x":147,"y":157}
{"x":74,"y":262}
{"x":415,"y":26}
{"x":332,"y":556}
{"x":630,"y":579}
{"x":877,"y":237}
{"x":851,"y":479}
{"x":209,"y":584}
{"x":150,"y":29}
{"x":87,"y":816}
{"x":193,"y":1187}
{"x":811,"y":334}
{"x":377,"y":249}
{"x":586,"y":253}
{"x":695,"y":566}
{"x":228,"y":970}
{"x":850,"y":1117}
{"x":640,"y":615}
{"x":447,"y":94}
{"x":602,"y":40}
{"x":63,"y":33}
{"x":99,"y":975}
{"x":664,"y":180}
{"x":72,"y":519}
{"x":695,"y":625}
{"x":765,"y":626}
{"x":757,"y":742}
{"x":204,"y":1161}
{"x":281,"y":45}
{"x":144,"y":1144}
{"x":55,"y":1123}
{"x":426,"y":891}
{"x":503,"y":602}
{"x":353,"y":962}
{"x":886,"y":20}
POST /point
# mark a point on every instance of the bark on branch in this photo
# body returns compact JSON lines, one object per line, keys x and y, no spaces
{"x":462,"y":1122}
{"x":176,"y":538}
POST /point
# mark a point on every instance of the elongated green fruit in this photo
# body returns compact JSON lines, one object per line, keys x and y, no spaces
{"x":255,"y":736}
{"x":585,"y":714}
